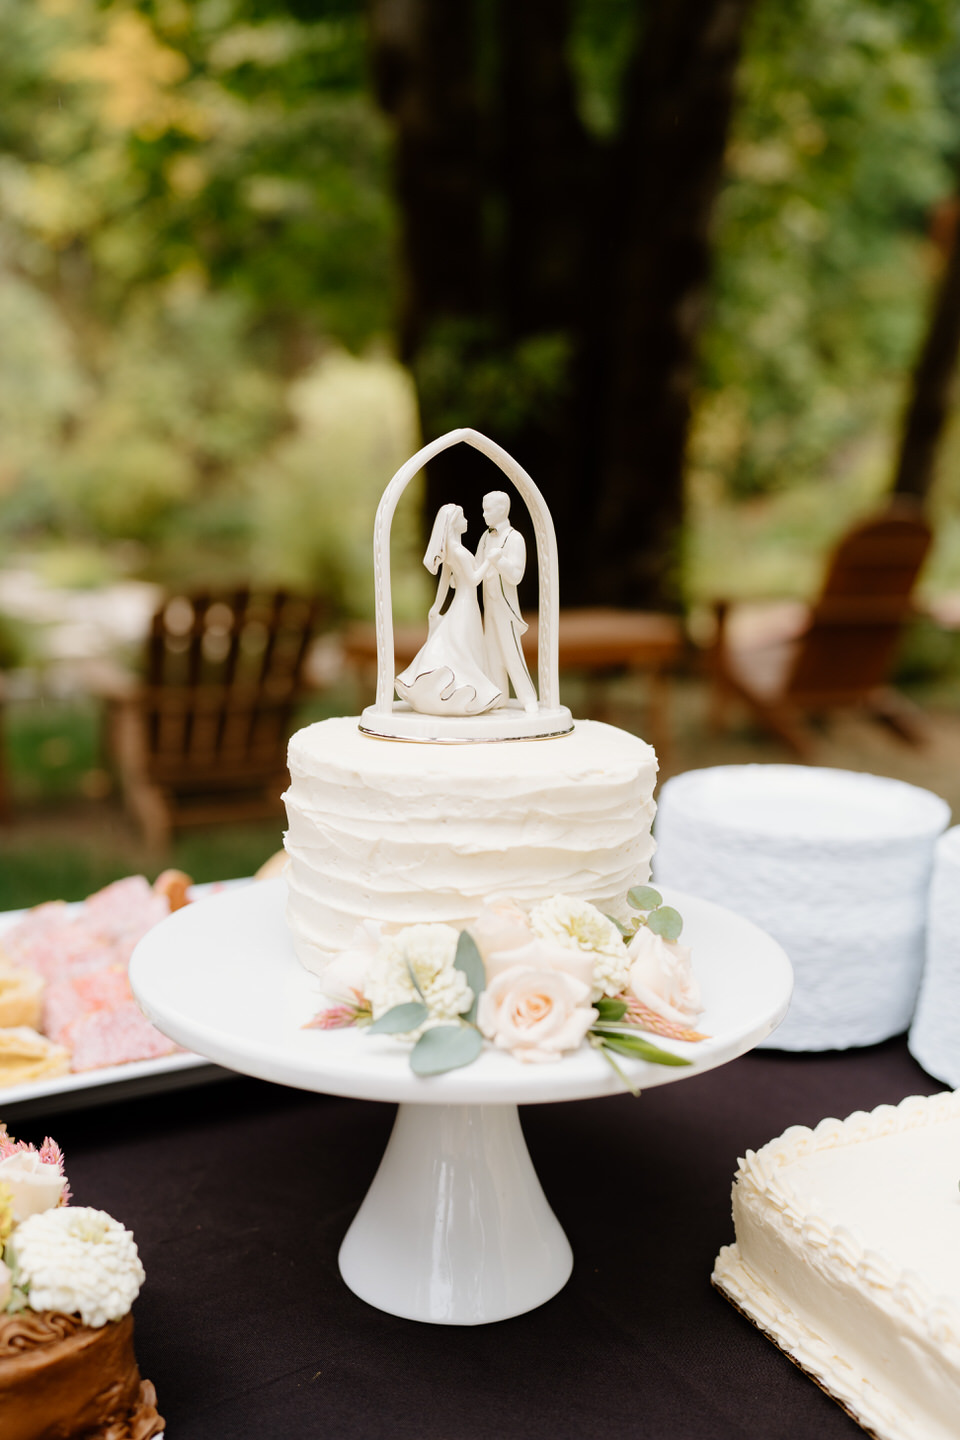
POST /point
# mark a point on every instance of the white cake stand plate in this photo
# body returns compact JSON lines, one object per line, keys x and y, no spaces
{"x":455,"y":1228}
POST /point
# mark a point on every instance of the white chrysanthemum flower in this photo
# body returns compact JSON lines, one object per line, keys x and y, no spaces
{"x":429,"y":951}
{"x":79,"y":1261}
{"x":578,"y":925}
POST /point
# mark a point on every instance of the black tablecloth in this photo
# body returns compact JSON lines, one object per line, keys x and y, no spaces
{"x":240,"y":1193}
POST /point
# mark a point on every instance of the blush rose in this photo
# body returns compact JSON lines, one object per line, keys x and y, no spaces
{"x":535,"y":1015}
{"x":661,"y":977}
{"x":500,"y":926}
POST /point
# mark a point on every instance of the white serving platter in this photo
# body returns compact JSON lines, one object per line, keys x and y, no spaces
{"x":109,"y":1082}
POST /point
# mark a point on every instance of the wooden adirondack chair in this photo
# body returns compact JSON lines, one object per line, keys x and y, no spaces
{"x":842,"y":656}
{"x":203,"y":738}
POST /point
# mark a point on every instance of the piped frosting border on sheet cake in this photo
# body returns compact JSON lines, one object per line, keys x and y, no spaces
{"x":875,"y":1336}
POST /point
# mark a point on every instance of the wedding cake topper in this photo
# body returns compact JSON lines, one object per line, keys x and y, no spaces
{"x":457,"y":687}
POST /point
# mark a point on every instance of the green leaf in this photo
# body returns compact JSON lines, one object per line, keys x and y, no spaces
{"x":470,"y":961}
{"x":625,"y":930}
{"x":666,"y":922}
{"x":610,"y":1009}
{"x":415,"y":982}
{"x":644,"y":897}
{"x":400,"y":1019}
{"x":445,"y":1047}
{"x":620,"y":1073}
{"x":639,"y":1049}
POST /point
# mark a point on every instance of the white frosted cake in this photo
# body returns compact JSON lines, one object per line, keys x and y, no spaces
{"x":404,"y":833}
{"x":848,"y":1255}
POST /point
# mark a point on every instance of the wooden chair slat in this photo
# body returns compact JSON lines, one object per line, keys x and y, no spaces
{"x":847,"y":651}
{"x":223,"y":675}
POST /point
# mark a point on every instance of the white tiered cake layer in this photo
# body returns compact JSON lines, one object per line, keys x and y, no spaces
{"x":406,"y":833}
{"x":847,"y":1256}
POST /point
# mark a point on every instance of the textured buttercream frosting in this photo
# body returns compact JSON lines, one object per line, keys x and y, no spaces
{"x":848,"y":1255}
{"x":409,"y":833}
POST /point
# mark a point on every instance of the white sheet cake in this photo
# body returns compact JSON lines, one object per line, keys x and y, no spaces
{"x":848,"y":1255}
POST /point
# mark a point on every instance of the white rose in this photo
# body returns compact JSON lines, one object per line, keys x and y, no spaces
{"x":346,"y":974}
{"x":500,"y":926}
{"x":662,"y":978}
{"x":540,"y":954}
{"x":578,"y":925}
{"x":79,"y":1261}
{"x":35,"y":1184}
{"x":535,"y":1014}
{"x":429,"y":952}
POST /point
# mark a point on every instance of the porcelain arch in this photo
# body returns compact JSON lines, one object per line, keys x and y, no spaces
{"x":547,"y":564}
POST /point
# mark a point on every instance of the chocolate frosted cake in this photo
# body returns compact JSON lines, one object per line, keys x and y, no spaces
{"x":63,"y":1380}
{"x":68,"y":1278}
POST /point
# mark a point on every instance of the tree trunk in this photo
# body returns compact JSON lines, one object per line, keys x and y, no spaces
{"x":668,"y":170}
{"x":933,"y":376}
{"x":553,"y":283}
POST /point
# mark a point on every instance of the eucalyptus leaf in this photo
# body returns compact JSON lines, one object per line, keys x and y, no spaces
{"x":610,"y":1009}
{"x":625,"y":930}
{"x":666,"y":922}
{"x":415,"y":982}
{"x":469,"y":960}
{"x":639,"y":1049}
{"x":644,"y":897}
{"x":445,"y":1047}
{"x":400,"y":1019}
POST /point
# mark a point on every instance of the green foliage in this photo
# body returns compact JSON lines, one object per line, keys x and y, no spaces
{"x":49,"y":748}
{"x":196,"y":229}
{"x":644,"y":897}
{"x":610,"y":1010}
{"x":666,"y":922}
{"x":312,"y":495}
{"x":17,"y":643}
{"x":624,"y":1043}
{"x":400,"y":1019}
{"x":445,"y":1047}
{"x":839,"y":150}
{"x":466,"y":374}
{"x":603,"y":33}
{"x":193,"y":205}
{"x":469,"y":960}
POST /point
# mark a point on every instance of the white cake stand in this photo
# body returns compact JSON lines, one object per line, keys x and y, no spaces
{"x":455,"y":1228}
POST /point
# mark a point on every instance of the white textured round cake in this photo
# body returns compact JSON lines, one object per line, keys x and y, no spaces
{"x":406,"y":833}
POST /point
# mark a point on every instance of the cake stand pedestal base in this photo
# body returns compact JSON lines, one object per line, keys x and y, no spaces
{"x":455,"y":1228}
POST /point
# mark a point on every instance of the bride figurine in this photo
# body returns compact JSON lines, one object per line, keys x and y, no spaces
{"x":447,"y":676}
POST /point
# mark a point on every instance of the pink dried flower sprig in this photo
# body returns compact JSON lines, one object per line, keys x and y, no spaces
{"x":341,"y":1017}
{"x":49,"y":1154}
{"x":646,"y":1019}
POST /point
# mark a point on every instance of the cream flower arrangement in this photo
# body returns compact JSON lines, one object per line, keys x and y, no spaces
{"x":578,"y":925}
{"x":537,"y":986}
{"x":57,"y":1256}
{"x":79,"y":1261}
{"x":419,"y":965}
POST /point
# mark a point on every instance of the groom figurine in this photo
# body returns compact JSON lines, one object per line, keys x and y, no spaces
{"x":503,"y":624}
